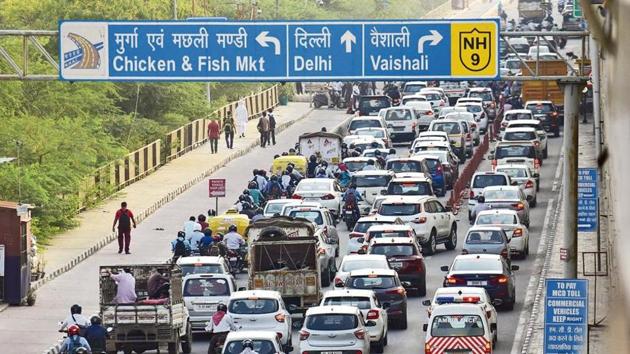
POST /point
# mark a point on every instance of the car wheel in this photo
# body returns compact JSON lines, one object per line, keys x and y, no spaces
{"x":187,"y":340}
{"x":537,"y":185}
{"x":545,"y":153}
{"x":556,"y":133}
{"x":510,"y":304}
{"x":386,"y":340}
{"x":379,"y":346}
{"x":430,"y":247}
{"x":495,"y":339}
{"x":422,"y":287}
{"x":326,"y":277}
{"x":337,"y":251}
{"x":403,"y":321}
{"x":534,"y":202}
{"x":452,"y":240}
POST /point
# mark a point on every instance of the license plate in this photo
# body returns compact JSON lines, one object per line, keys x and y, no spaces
{"x":396,"y":265}
{"x":204,"y":307}
{"x":398,"y":129}
{"x":477,"y":283}
{"x":336,"y":352}
{"x":233,"y":259}
{"x":349,"y":212}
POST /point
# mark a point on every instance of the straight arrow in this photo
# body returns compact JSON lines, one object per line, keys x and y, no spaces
{"x":435,"y":37}
{"x":348,"y":38}
{"x":263,"y":39}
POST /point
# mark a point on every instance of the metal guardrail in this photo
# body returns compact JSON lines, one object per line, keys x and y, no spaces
{"x":19,"y":68}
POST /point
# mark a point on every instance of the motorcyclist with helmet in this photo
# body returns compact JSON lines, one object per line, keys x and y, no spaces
{"x":255,"y":194}
{"x":74,"y":343}
{"x":96,"y":335}
{"x":233,"y":240}
{"x":219,"y":326}
{"x":351,"y":200}
{"x":248,"y":347}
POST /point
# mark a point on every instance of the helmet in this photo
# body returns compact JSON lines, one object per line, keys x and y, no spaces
{"x":247,"y":343}
{"x":284,"y":153}
{"x":95,"y":320}
{"x":246,"y":191}
{"x":232,"y":228}
{"x":274,"y":178}
{"x":252,"y":185}
{"x":370,"y":162}
{"x":377,"y":153}
{"x":289,"y":169}
{"x":75,"y":309}
{"x":181,"y":234}
{"x":222,"y":307}
{"x":312,"y":158}
{"x":207,"y":232}
{"x":73,"y":330}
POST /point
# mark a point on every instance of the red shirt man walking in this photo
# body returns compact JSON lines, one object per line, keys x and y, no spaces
{"x":213,"y":135}
{"x":124,"y":218}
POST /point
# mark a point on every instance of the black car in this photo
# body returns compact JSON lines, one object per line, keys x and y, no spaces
{"x":547,"y":113}
{"x":488,"y":271}
{"x":371,"y":105}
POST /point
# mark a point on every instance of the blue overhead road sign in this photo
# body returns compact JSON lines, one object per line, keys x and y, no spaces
{"x":215,"y":50}
{"x":566,"y":316}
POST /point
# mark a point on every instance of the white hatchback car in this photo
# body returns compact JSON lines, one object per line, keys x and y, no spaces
{"x":472,"y":122}
{"x":203,"y":265}
{"x":370,"y":184}
{"x":325,"y":191}
{"x":371,"y":309}
{"x":508,"y":220}
{"x":274,"y":206}
{"x":476,"y":108}
{"x":361,"y":227}
{"x":334,"y":329}
{"x":354,"y":262}
{"x":522,"y":175}
{"x":262,"y":310}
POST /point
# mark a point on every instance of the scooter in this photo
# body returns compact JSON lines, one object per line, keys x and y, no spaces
{"x":350,"y":217}
{"x":320,"y":99}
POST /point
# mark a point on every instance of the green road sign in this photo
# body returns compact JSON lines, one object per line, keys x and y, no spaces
{"x":577,"y":9}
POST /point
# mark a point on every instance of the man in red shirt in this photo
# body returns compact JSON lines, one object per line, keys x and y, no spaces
{"x":213,"y":135}
{"x":124,"y":218}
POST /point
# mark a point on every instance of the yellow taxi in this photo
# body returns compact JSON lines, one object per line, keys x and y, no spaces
{"x":221,"y":223}
{"x":456,"y":135}
{"x":280,"y":164}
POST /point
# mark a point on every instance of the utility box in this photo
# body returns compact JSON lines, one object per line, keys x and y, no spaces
{"x":15,"y":245}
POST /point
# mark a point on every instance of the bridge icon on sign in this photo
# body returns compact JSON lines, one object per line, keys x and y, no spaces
{"x":86,"y":56}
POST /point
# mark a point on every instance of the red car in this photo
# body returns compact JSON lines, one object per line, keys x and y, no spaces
{"x":405,"y":258}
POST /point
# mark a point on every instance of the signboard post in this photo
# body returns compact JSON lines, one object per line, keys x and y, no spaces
{"x":279,"y":51}
{"x":566,"y":316}
{"x":216,"y":189}
{"x":587,"y":200}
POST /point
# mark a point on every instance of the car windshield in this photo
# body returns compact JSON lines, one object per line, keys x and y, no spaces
{"x":430,"y":148}
{"x":331,"y":322}
{"x":413,"y":88}
{"x":372,"y":282}
{"x":513,"y":64}
{"x":260,"y":347}
{"x":200,"y":268}
{"x":368,"y":145}
{"x":371,"y":181}
{"x":448,"y":127}
{"x":515,"y":116}
{"x":457,"y":326}
{"x":206,"y":287}
{"x":477,"y":264}
{"x":355,"y":264}
{"x":514,"y":151}
{"x":363,"y":226}
{"x":514,"y":172}
{"x":361,"y":302}
{"x":313,"y":187}
{"x":433,"y":164}
{"x":311,"y":215}
{"x":496,"y":219}
{"x":500,"y":194}
{"x":253,"y":306}
{"x":520,"y":136}
{"x":409,"y":188}
{"x":473,"y":108}
{"x":483,"y":181}
{"x":385,"y":234}
{"x":432,"y":96}
{"x":273,"y":208}
{"x":413,"y":99}
{"x":393,"y":250}
{"x":374,"y":104}
{"x":520,"y":48}
{"x":364,"y":123}
{"x":399,"y":166}
{"x":354,"y":166}
{"x":398,"y":114}
{"x":486,"y":236}
{"x":539,"y":108}
{"x":377,"y":133}
{"x":399,"y":209}
{"x":484,"y":95}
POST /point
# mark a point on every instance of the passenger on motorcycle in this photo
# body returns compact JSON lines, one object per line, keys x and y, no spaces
{"x":75,"y":318}
{"x":180,"y":246}
{"x":74,"y":343}
{"x":311,"y":167}
{"x":248,"y":347}
{"x":96,"y":335}
{"x":255,"y":194}
{"x":351,"y":197}
{"x":273,"y":189}
{"x":206,"y":243}
{"x":344,"y":175}
{"x":219,"y":326}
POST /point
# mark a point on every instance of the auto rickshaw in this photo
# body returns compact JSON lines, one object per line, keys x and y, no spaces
{"x":221,"y":223}
{"x":280,"y":164}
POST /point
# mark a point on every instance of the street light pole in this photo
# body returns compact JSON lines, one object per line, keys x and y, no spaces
{"x":174,"y":9}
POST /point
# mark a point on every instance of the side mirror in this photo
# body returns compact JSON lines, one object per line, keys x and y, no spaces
{"x":242,"y":288}
{"x":384,"y":192}
{"x":406,"y":284}
{"x":386,"y":305}
{"x":426,"y":302}
{"x":425,"y":327}
{"x":444,"y":268}
{"x":370,"y":324}
{"x":338,"y":285}
{"x":515,"y":267}
{"x":481,"y":199}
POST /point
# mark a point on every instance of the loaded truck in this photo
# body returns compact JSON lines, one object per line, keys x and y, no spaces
{"x":283,"y":256}
{"x":544,"y":90}
{"x":148,"y":323}
{"x":533,"y":10}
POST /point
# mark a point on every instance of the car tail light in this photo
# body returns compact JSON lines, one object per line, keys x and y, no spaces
{"x":502,"y":279}
{"x":420,"y":220}
{"x":536,"y":163}
{"x":338,"y":282}
{"x":428,"y":113}
{"x":487,"y":348}
{"x":453,"y":280}
{"x":321,"y":251}
{"x":464,"y":251}
{"x":304,"y":335}
{"x":468,"y":136}
{"x":517,"y":232}
{"x":280,"y":317}
{"x":373,"y":315}
{"x":504,"y":253}
{"x":529,"y":184}
{"x":418,"y":264}
{"x":296,"y":196}
{"x":472,"y":194}
{"x":364,"y":248}
{"x":519,"y":206}
{"x":397,"y":291}
{"x":554,"y":114}
{"x":328,"y":197}
{"x":360,"y":334}
{"x":474,"y":125}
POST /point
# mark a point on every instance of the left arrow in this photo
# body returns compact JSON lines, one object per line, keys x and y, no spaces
{"x":264,"y":39}
{"x":348,"y":38}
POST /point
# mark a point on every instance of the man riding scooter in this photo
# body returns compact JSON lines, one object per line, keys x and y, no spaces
{"x":236,"y":249}
{"x":351,"y":200}
{"x":219,"y":326}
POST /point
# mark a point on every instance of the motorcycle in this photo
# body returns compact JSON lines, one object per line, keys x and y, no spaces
{"x":236,"y":260}
{"x":320,"y":99}
{"x":350,"y":216}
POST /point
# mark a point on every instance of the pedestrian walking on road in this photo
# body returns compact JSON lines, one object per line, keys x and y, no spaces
{"x":299,"y":88}
{"x":124,"y":218}
{"x":272,"y":126}
{"x":263,"y":129}
{"x":242,"y":117}
{"x":228,"y":129}
{"x":214,"y":133}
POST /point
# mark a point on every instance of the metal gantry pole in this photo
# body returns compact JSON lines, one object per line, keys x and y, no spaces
{"x":569,"y":183}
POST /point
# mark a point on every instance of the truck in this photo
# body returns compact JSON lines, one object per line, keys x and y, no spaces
{"x":533,"y":10}
{"x":146,"y":324}
{"x":323,"y":144}
{"x":544,"y":90}
{"x":283,"y":256}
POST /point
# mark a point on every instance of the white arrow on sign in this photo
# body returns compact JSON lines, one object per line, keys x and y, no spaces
{"x":435,"y":37}
{"x":348,"y":38}
{"x":263,"y":39}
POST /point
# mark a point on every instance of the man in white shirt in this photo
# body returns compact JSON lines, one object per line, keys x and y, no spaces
{"x":75,"y":318}
{"x":126,"y":287}
{"x":232,"y":239}
{"x":191,"y":226}
{"x":370,"y":166}
{"x":219,"y":326}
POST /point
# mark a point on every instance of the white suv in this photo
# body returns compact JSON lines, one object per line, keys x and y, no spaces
{"x":401,"y":123}
{"x":432,"y":222}
{"x":334,"y":329}
{"x":481,"y":180}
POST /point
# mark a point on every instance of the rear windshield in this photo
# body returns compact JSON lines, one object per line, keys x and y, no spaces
{"x":393,"y":250}
{"x":253,"y":306}
{"x":377,"y":133}
{"x":521,"y":48}
{"x":367,"y":282}
{"x":363,"y":303}
{"x":200,"y":268}
{"x":370,"y":145}
{"x":331,"y":322}
{"x":260,"y":347}
{"x":273,"y":208}
{"x":206,"y":287}
{"x":362,"y":227}
{"x":355,"y":165}
{"x":430,"y":148}
{"x":478,"y":264}
{"x":483,"y":181}
{"x":370,"y":181}
{"x":385,"y":234}
{"x":313,"y":187}
{"x":432,"y":96}
{"x":488,"y":236}
{"x":399,"y":209}
{"x":363,"y":123}
{"x":514,"y":116}
{"x":448,"y":127}
{"x":409,"y":188}
{"x":484,"y":95}
{"x":514,"y":172}
{"x":398,"y":114}
{"x":413,"y":88}
{"x":496,"y":219}
{"x":515,"y":151}
{"x":457,"y":326}
{"x":433,"y":164}
{"x":520,"y":136}
{"x":513,"y":64}
{"x":508,"y":194}
{"x":374,"y":104}
{"x":540,"y":108}
{"x":473,"y":108}
{"x":404,"y":166}
{"x":355,"y":264}
{"x":414,"y":99}
{"x":311,"y":215}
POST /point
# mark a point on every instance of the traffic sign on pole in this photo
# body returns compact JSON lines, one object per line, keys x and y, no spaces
{"x":577,"y":9}
{"x":587,"y":207}
{"x":216,"y":50}
{"x":566,"y":316}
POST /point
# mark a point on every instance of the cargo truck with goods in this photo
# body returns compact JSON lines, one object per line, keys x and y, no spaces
{"x":533,"y":10}
{"x":544,"y":90}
